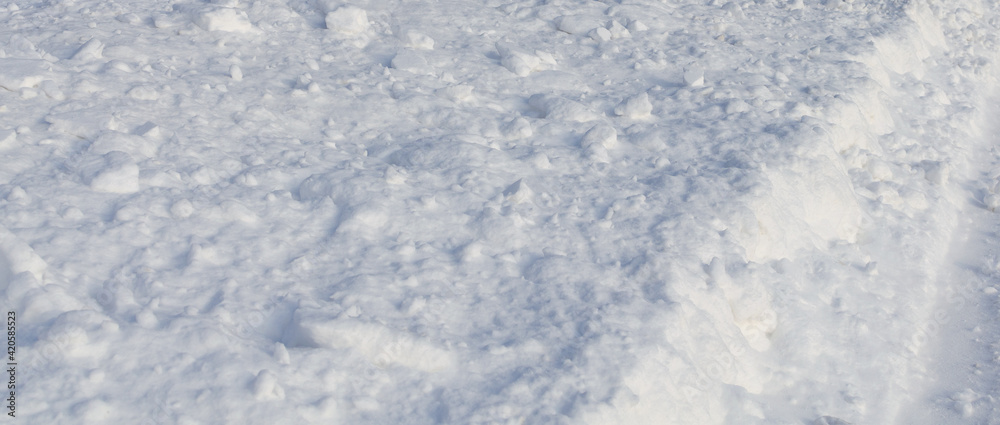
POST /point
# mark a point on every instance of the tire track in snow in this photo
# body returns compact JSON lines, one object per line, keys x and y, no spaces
{"x":961,"y":340}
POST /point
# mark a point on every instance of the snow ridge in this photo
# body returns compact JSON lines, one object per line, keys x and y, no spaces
{"x":465,"y":212}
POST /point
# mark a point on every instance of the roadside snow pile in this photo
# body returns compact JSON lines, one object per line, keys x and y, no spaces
{"x":502,"y":212}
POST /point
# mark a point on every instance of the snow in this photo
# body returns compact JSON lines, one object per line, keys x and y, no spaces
{"x":22,"y":73}
{"x":636,"y":107}
{"x":347,"y":20}
{"x":577,"y":24}
{"x":223,"y":19}
{"x":417,"y":40}
{"x":236,"y":72}
{"x":317,"y":211}
{"x":90,"y":50}
{"x":694,"y":76}
{"x":521,"y":62}
{"x":410,"y":61}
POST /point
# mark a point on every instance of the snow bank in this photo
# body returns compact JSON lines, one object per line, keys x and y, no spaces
{"x":811,"y":202}
{"x":416,"y":212}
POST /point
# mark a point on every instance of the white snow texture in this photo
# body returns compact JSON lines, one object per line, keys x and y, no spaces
{"x":501,"y":211}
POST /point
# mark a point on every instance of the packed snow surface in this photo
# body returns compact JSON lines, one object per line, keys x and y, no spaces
{"x":502,"y":212}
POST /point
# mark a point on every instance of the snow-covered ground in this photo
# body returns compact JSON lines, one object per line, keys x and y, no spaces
{"x":502,"y":212}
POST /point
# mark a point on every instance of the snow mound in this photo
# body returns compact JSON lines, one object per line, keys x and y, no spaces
{"x":410,"y":61}
{"x":112,"y":172}
{"x":381,"y":346}
{"x":224,"y":19}
{"x":635,"y":107}
{"x":91,"y":50}
{"x":521,"y":62}
{"x":347,"y":20}
{"x":417,"y":40}
{"x":18,"y":257}
{"x":577,"y":24}
{"x":16,"y":74}
{"x":811,"y":203}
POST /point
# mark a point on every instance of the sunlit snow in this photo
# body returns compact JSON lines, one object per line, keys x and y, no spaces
{"x":501,"y":211}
